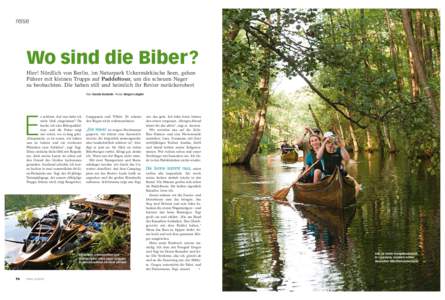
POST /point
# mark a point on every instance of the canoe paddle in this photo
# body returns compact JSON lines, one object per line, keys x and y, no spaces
{"x":17,"y":242}
{"x":282,"y":194}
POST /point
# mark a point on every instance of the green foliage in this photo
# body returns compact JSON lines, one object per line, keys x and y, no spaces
{"x":242,"y":66}
{"x":112,"y":238}
{"x":358,"y":58}
{"x":288,"y":115}
{"x":245,"y":61}
{"x":74,"y":263}
{"x":20,"y":202}
{"x":420,"y":137}
{"x":71,"y":262}
{"x":357,"y":68}
{"x":26,"y":217}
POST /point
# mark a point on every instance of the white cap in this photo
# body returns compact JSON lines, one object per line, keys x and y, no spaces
{"x":328,"y":134}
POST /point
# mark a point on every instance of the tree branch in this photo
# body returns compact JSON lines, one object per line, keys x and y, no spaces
{"x":292,"y":63}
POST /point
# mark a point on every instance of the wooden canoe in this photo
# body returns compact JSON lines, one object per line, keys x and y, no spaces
{"x":74,"y":240}
{"x":333,"y":191}
{"x":75,"y":221}
{"x":44,"y":234}
{"x":290,"y":157}
{"x":82,"y":217}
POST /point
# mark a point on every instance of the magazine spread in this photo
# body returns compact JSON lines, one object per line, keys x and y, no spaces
{"x":215,"y":148}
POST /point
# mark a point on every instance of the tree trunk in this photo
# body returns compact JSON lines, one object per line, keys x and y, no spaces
{"x":419,"y":68}
{"x":257,"y":133}
{"x":413,"y":82}
{"x":394,"y":55}
{"x":427,"y":50}
{"x":380,"y":138}
{"x":352,"y":133}
{"x":419,"y":35}
{"x":354,"y":138}
{"x":342,"y":134}
{"x":388,"y":140}
{"x":364,"y":42}
{"x":436,"y":22}
{"x":259,"y":124}
{"x":369,"y":144}
{"x":315,"y":119}
{"x":233,"y":32}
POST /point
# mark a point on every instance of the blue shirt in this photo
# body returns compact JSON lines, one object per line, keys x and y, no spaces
{"x":309,"y":161}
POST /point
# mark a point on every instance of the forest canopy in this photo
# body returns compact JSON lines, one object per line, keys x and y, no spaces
{"x":372,"y":76}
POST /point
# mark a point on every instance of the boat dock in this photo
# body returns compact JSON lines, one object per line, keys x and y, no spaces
{"x":110,"y":205}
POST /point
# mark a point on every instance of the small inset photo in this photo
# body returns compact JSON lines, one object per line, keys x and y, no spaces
{"x":67,"y":232}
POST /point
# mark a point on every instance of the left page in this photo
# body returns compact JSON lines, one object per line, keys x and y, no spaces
{"x":109,"y":116}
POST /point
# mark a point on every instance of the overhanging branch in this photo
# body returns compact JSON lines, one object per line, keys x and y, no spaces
{"x":292,"y":63}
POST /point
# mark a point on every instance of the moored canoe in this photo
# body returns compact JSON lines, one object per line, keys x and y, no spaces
{"x":44,"y":234}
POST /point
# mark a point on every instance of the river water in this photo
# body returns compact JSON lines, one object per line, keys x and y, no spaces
{"x":39,"y":205}
{"x":389,"y":241}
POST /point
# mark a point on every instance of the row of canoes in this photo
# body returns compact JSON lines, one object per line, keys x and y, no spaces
{"x":49,"y":240}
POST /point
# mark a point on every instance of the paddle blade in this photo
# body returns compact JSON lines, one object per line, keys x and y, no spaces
{"x":281,"y":194}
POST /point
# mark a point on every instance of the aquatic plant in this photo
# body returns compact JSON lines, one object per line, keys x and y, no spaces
{"x":111,"y":238}
{"x":26,"y":217}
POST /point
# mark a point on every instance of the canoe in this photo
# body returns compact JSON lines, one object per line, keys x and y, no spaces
{"x":333,"y":191}
{"x":75,"y":240}
{"x":290,"y":157}
{"x":44,"y":234}
{"x":82,"y":217}
{"x":73,"y":222}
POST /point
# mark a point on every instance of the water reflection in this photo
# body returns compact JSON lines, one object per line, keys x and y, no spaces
{"x":15,"y":232}
{"x":328,"y":226}
{"x":272,"y":246}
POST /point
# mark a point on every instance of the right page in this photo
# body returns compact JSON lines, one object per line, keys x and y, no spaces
{"x":331,"y":149}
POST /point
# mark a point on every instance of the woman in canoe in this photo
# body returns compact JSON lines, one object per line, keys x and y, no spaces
{"x":311,"y":157}
{"x":304,"y":145}
{"x":331,"y":153}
